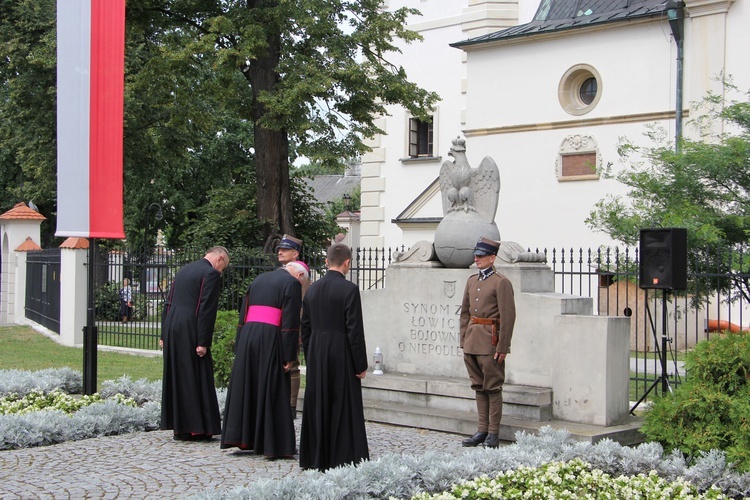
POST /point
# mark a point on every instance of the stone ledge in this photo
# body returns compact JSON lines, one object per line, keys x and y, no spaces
{"x":464,"y":423}
{"x":454,"y":387}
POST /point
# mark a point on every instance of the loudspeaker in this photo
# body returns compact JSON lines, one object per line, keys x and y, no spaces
{"x":664,"y":258}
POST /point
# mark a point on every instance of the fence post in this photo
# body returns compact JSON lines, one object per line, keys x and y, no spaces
{"x":17,"y":304}
{"x":17,"y":314}
{"x":73,"y":290}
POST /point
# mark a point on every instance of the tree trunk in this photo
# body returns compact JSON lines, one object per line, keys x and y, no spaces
{"x":271,"y":145}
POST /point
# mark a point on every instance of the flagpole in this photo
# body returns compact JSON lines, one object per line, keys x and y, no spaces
{"x":90,"y":331}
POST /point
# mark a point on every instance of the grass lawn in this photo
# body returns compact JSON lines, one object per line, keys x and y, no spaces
{"x":26,"y":349}
{"x":654,"y":356}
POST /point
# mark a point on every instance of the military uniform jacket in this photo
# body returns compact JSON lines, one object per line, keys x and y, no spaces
{"x":490,"y":298}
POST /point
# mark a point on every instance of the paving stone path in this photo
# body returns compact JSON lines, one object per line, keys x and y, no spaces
{"x":153,"y":465}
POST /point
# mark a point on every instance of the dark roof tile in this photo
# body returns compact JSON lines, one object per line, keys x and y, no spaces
{"x":559,"y":15}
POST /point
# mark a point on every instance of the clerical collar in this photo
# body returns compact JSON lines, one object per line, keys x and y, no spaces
{"x":486,"y":273}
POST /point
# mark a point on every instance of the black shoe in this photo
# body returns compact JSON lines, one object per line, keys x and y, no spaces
{"x":294,"y":413}
{"x":492,"y":441}
{"x":475,"y":440}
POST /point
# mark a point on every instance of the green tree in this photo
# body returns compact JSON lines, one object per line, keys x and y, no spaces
{"x":317,"y":72}
{"x":219,"y":98}
{"x":184,"y":134}
{"x":314,"y":168}
{"x":27,"y":107}
{"x":229,"y":218}
{"x":705,"y":188}
{"x":186,"y":142}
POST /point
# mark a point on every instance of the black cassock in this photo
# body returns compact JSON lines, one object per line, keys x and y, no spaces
{"x":257,"y":415}
{"x":189,"y":404}
{"x":333,"y":423}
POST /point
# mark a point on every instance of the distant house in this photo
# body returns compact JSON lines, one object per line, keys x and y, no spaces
{"x":547,"y":89}
{"x":330,"y":188}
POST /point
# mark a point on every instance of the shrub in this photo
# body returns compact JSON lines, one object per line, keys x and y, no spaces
{"x":141,"y":390}
{"x":711,"y":410}
{"x":107,"y":302}
{"x":723,"y":362}
{"x":222,"y":349}
{"x":22,"y":382}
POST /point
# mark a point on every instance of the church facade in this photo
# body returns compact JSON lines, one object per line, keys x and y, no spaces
{"x":547,"y":89}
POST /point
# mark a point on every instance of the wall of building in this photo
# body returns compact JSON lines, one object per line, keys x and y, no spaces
{"x":504,"y":99}
{"x":389,"y":184}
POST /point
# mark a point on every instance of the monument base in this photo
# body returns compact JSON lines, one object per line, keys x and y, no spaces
{"x":558,"y":344}
{"x":447,"y":404}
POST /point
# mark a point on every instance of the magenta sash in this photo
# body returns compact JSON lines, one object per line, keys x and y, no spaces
{"x":264,"y":314}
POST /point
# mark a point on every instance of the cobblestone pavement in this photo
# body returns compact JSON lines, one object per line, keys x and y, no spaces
{"x":153,"y":465}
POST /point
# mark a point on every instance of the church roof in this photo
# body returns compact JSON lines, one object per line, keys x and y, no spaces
{"x":559,"y":15}
{"x":21,"y":212}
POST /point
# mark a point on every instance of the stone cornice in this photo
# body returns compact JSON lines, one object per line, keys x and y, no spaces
{"x":698,"y":8}
{"x":578,"y":122}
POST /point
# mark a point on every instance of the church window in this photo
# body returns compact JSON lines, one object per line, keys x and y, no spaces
{"x":587,"y":92}
{"x":580,"y":89}
{"x":420,"y":137}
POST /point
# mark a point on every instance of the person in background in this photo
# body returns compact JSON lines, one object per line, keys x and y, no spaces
{"x":256,"y":416}
{"x":488,"y":313}
{"x":189,"y":405}
{"x":333,"y":338}
{"x":126,"y":301}
{"x":288,"y":250}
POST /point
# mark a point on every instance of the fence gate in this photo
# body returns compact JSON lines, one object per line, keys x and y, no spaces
{"x":43,"y":288}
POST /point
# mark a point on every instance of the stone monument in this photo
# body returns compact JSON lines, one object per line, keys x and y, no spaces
{"x":566,"y":364}
{"x":470,"y":197}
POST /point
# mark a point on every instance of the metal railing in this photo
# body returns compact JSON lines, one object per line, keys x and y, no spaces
{"x":609,"y":276}
{"x":714,"y":299}
{"x":151,"y":272}
{"x":43,"y":288}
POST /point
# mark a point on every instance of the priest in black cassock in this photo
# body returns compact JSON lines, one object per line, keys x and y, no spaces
{"x":188,"y":398}
{"x":257,"y":416}
{"x":333,"y":338}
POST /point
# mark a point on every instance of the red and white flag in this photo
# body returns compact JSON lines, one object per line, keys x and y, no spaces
{"x":90,"y":85}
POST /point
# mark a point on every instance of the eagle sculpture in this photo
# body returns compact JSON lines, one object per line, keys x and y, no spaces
{"x":469,"y":189}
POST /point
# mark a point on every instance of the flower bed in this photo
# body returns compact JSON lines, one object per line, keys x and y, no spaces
{"x":548,"y":465}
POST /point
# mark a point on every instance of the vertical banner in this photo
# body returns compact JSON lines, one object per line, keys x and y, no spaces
{"x":90,"y":86}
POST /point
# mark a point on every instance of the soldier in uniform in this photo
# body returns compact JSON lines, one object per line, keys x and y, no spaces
{"x":488,"y":313}
{"x":288,"y":250}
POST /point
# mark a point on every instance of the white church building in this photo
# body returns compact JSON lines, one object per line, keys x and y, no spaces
{"x":547,"y":88}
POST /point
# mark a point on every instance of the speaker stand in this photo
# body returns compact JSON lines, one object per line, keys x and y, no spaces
{"x":662,"y":355}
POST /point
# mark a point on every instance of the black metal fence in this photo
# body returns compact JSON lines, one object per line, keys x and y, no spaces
{"x":150,"y":274}
{"x":663,"y":322}
{"x":43,"y":288}
{"x":608,"y":275}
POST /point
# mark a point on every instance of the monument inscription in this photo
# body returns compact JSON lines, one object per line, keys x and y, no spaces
{"x":433,"y":329}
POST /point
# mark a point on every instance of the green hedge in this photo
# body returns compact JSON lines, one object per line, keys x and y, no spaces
{"x":711,"y":410}
{"x":222,"y":349}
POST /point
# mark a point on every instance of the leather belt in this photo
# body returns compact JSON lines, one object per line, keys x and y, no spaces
{"x":488,"y":321}
{"x":483,"y":321}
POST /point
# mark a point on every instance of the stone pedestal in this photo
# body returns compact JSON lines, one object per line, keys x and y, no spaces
{"x":557,"y":342}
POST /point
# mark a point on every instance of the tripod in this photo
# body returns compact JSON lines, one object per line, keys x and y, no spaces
{"x":662,"y":352}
